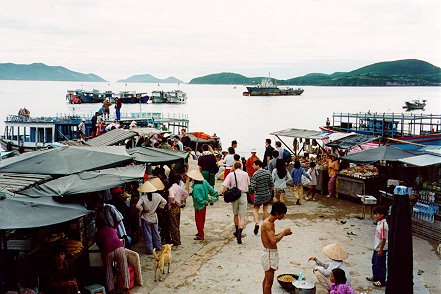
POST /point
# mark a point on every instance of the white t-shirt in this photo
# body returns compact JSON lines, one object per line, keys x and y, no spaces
{"x":381,"y":233}
{"x":280,"y":149}
{"x":313,"y":174}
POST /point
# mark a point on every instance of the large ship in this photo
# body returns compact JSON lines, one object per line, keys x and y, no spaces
{"x":267,"y":88}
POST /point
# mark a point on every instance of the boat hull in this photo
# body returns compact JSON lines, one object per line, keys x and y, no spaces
{"x":273,"y":91}
{"x":410,"y":105}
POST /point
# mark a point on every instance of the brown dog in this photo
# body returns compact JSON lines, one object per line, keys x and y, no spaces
{"x":164,"y":258}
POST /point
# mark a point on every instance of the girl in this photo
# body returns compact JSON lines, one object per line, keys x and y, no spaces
{"x":176,"y":196}
{"x":280,"y":177}
{"x":338,"y":282}
{"x":201,"y":192}
{"x":312,"y":172}
{"x":147,"y":204}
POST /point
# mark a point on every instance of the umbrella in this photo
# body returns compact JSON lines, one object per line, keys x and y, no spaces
{"x":388,"y":153}
{"x":156,"y":155}
{"x":88,"y":181}
{"x":400,"y":259}
{"x":65,"y":160}
{"x":18,"y":212}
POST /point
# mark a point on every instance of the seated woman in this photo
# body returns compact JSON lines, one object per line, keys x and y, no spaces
{"x":323,"y":270}
{"x":60,"y":276}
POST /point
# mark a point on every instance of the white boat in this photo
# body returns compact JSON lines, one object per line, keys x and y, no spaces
{"x":176,"y":96}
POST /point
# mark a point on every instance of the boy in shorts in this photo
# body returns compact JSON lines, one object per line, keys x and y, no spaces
{"x":270,"y":256}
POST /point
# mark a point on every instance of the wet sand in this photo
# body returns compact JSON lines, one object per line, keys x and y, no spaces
{"x":220,"y":265}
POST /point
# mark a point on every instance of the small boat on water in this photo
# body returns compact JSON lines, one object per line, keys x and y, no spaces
{"x":172,"y":97}
{"x":80,"y":96}
{"x":267,"y":88}
{"x":130,"y":97}
{"x":415,"y":104}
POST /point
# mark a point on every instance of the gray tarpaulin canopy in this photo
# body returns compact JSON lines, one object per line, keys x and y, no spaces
{"x":348,"y":142}
{"x":156,"y":155}
{"x":66,"y":160}
{"x":422,"y":160}
{"x":299,"y":133}
{"x":88,"y":181}
{"x":17,"y":212}
{"x":387,"y":153}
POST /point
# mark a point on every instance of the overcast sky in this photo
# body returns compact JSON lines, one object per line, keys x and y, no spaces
{"x":190,"y":38}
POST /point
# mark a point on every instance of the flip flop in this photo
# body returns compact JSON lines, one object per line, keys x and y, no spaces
{"x":370,"y":279}
{"x":377,"y":284}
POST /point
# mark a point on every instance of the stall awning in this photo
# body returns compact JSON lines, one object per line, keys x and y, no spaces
{"x":112,"y":137}
{"x":156,"y":155}
{"x":299,"y":133}
{"x":18,"y":212}
{"x":88,"y":181}
{"x":422,"y":160}
{"x":66,"y":160}
{"x":387,"y":153}
{"x":351,"y":141}
{"x":15,"y":182}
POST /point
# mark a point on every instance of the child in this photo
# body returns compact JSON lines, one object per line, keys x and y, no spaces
{"x":338,"y":282}
{"x":380,"y":248}
{"x":313,"y":185}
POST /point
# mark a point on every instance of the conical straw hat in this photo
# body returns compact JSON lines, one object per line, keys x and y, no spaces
{"x":147,"y":187}
{"x":195,"y":175}
{"x":334,"y":251}
{"x":157,"y":183}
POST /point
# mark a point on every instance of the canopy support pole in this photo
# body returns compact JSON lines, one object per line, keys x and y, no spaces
{"x":285,"y":145}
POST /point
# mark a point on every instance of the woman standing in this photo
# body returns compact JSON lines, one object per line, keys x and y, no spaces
{"x":148,"y":203}
{"x":201,"y":198}
{"x":176,"y":196}
{"x":280,"y":177}
{"x":312,"y":172}
{"x":229,"y":161}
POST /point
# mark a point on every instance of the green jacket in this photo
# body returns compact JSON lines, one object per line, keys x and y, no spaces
{"x":200,"y":195}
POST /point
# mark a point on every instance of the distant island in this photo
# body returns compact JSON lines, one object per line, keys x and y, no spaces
{"x":408,"y":72}
{"x":146,"y":78}
{"x":43,"y":72}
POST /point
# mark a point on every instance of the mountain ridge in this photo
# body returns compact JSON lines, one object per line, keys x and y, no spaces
{"x":148,"y":78}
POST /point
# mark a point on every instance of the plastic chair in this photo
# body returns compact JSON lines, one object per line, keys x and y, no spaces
{"x":95,"y":289}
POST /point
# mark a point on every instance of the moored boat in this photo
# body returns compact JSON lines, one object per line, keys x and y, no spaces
{"x":158,"y":97}
{"x":415,"y":104}
{"x":414,"y":128}
{"x":80,"y":96}
{"x":133,"y":97}
{"x":267,"y":88}
{"x":176,"y":96}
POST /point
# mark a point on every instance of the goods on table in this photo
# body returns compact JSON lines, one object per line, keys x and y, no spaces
{"x":360,"y":172}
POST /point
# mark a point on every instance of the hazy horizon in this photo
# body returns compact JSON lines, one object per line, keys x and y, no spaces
{"x":116,"y":40}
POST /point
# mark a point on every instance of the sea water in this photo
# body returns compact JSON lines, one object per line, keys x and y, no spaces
{"x":222,"y":109}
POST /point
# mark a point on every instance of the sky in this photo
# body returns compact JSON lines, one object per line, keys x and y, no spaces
{"x":192,"y":38}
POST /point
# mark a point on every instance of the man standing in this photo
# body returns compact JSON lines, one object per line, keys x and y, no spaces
{"x":270,"y":256}
{"x":279,"y":149}
{"x":272,"y":162}
{"x":240,"y":179}
{"x":118,"y":105}
{"x":262,"y":185}
{"x":106,"y":108}
{"x":94,"y":121}
{"x":250,"y":163}
{"x":234,"y":145}
{"x":207,"y":165}
{"x":177,"y":144}
{"x":185,"y":139}
{"x":268,"y":152}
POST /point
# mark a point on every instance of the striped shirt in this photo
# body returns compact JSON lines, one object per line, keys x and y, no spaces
{"x":262,"y":183}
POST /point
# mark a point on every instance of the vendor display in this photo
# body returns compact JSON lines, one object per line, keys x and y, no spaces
{"x":360,"y":172}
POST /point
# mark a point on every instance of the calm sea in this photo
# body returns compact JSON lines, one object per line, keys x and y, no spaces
{"x":222,"y":109}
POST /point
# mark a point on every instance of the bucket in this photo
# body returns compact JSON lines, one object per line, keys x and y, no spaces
{"x":304,"y":287}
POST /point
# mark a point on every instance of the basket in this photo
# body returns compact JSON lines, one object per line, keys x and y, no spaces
{"x":287,"y":285}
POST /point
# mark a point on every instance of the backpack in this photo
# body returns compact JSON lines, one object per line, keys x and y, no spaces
{"x":286,"y":156}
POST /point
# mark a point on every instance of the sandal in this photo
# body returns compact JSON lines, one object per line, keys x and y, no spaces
{"x":378,"y":284}
{"x":370,"y":279}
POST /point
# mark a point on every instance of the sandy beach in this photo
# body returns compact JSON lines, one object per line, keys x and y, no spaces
{"x":220,"y":265}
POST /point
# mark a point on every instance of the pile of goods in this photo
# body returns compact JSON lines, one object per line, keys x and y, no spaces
{"x":360,"y":172}
{"x":286,"y":278}
{"x":73,"y":247}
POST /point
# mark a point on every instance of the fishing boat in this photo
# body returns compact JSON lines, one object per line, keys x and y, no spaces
{"x":267,"y":88}
{"x":415,"y":128}
{"x":415,"y":104}
{"x":25,"y":133}
{"x":158,"y":97}
{"x":80,"y":96}
{"x":133,"y":97}
{"x":176,"y":96}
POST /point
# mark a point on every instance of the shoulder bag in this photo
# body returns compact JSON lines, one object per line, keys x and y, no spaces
{"x":232,"y":194}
